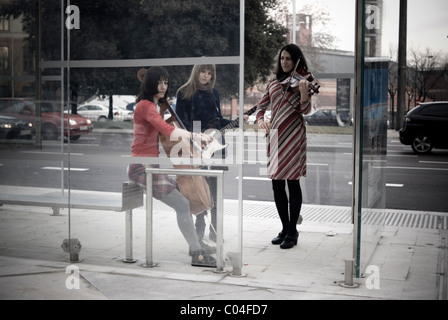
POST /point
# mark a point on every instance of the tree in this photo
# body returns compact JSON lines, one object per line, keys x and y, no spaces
{"x":392,"y":89}
{"x":426,"y":70}
{"x":263,"y":39}
{"x":143,"y":29}
{"x":321,"y":37}
{"x":392,"y":85}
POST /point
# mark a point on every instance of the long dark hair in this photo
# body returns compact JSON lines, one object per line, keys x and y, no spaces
{"x":296,"y":54}
{"x":149,"y":87}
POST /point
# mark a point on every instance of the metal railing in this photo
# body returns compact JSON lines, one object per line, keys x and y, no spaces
{"x":219,"y":209}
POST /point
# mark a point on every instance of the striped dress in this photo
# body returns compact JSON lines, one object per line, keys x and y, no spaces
{"x":286,"y":150}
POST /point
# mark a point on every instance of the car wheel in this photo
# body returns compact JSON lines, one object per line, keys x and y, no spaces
{"x":102,"y":119}
{"x":13,"y":134}
{"x":340,"y":122}
{"x":74,"y":138}
{"x":421,"y":144}
{"x":49,"y":132}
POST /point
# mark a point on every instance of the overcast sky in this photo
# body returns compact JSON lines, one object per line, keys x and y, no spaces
{"x":427,"y":23}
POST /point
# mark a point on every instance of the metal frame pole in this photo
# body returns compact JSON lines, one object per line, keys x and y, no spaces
{"x":220,"y":223}
{"x":149,"y":221}
{"x":357,"y":138}
{"x":237,"y":269}
{"x":129,"y":236}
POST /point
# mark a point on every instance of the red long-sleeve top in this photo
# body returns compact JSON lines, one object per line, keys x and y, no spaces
{"x":147,"y":125}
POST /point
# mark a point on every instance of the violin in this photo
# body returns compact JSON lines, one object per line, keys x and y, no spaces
{"x":291,"y":81}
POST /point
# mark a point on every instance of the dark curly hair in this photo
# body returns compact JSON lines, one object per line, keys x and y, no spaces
{"x":296,"y":54}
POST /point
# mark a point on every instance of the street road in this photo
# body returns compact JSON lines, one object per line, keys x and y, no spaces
{"x":98,"y":162}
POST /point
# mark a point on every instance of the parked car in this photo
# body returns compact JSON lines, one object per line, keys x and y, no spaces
{"x":426,"y":127}
{"x":251,"y":119}
{"x":98,"y":112}
{"x":14,"y":128}
{"x":131,"y":106}
{"x":121,"y":113}
{"x":327,"y":117}
{"x":323,"y":117}
{"x":50,"y":120}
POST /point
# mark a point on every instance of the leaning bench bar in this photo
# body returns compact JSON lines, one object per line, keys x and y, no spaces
{"x":131,"y":198}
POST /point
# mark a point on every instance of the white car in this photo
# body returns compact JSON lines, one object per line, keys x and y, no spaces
{"x":97,"y":112}
{"x":252,"y":117}
{"x":121,"y":113}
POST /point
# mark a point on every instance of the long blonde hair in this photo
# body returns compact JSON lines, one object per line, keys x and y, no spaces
{"x":193,"y":84}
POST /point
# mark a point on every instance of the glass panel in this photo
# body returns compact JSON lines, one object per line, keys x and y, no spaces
{"x":372,"y":135}
{"x":90,"y":55}
{"x":329,"y":131}
{"x":155,"y":34}
{"x":33,"y":170}
{"x":87,"y":60}
{"x":110,"y":87}
{"x":327,"y":187}
{"x":374,"y":141}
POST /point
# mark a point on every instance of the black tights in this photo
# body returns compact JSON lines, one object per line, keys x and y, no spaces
{"x":288,"y":212}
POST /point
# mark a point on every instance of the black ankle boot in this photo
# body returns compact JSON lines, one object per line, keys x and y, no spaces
{"x":279,"y":239}
{"x":290,"y":241}
{"x":203,"y":259}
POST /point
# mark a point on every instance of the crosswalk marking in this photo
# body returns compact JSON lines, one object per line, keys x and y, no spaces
{"x":65,"y":169}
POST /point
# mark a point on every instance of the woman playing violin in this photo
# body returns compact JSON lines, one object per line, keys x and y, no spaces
{"x":148,"y":124}
{"x":286,"y":134}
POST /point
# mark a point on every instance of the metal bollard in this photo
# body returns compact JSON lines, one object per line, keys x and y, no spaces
{"x":149,"y":227}
{"x":73,"y":248}
{"x":219,"y":223}
{"x":348,"y":282}
{"x":128,"y":232}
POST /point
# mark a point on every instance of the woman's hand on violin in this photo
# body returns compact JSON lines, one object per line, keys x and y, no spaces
{"x":303,"y":87}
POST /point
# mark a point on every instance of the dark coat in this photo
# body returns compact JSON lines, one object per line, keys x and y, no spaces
{"x":204,"y":107}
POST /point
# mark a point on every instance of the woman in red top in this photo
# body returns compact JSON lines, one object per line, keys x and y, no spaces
{"x":148,"y":124}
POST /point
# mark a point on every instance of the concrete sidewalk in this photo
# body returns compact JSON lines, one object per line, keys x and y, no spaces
{"x":411,"y":258}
